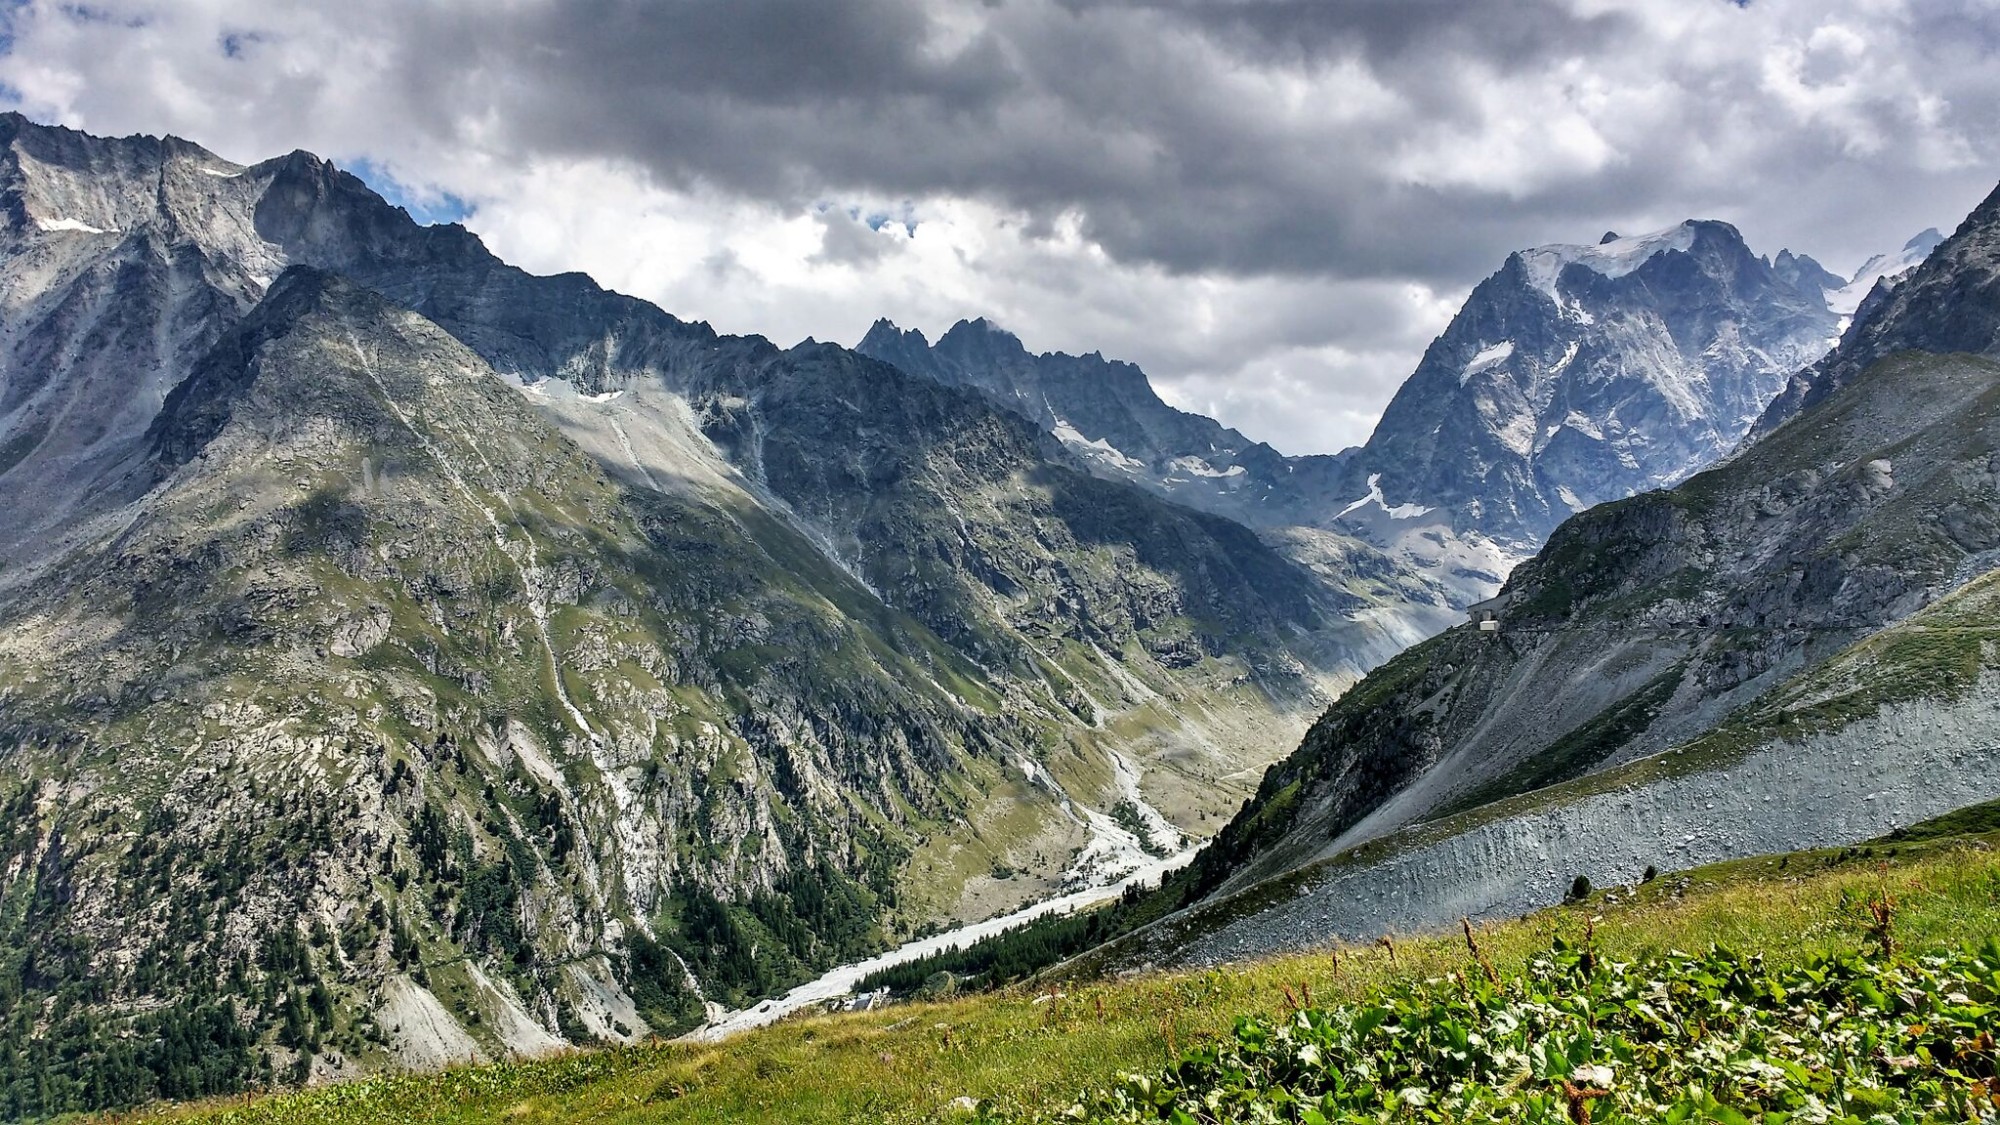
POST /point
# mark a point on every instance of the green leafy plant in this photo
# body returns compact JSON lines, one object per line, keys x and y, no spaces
{"x":1710,"y":1037}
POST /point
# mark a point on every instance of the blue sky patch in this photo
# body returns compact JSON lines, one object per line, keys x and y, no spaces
{"x":235,"y":44}
{"x":427,"y":205}
{"x":903,"y":215}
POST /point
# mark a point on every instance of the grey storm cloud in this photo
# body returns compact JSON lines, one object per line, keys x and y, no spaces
{"x":1144,"y":118}
{"x":1159,"y":123}
{"x":1290,"y":186}
{"x":1123,"y":113}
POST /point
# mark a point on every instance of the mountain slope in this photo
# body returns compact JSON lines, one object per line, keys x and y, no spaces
{"x":1108,"y":414}
{"x":865,"y":458}
{"x":407,"y":657}
{"x":387,"y":658}
{"x":107,"y":297}
{"x":1762,"y":657}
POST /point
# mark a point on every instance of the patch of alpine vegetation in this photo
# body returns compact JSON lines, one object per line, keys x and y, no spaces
{"x":1712,"y":1037}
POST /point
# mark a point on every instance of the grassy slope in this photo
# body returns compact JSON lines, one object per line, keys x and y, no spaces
{"x":1031,"y":1052}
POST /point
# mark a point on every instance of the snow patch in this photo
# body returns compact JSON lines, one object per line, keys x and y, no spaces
{"x":1562,"y":364}
{"x":73,"y":224}
{"x":1487,"y":360}
{"x":1197,"y":467}
{"x":220,"y":174}
{"x":561,"y":390}
{"x":1615,"y":258}
{"x":1100,"y":449}
{"x":1396,"y":512}
{"x":1584,"y":424}
{"x":1848,"y":298}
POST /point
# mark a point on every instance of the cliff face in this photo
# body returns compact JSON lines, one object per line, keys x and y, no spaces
{"x":1574,"y":376}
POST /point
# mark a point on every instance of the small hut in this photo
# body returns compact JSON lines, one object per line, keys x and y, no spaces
{"x":1486,"y":614}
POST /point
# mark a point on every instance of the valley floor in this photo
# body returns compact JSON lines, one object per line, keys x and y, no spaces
{"x":1031,"y":1050}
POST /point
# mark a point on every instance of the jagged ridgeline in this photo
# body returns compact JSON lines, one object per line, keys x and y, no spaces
{"x":1796,"y":648}
{"x":405,"y":659}
{"x":1573,"y":375}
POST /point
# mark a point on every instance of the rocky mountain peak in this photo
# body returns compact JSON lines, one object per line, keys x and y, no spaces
{"x":884,"y":334}
{"x":1942,"y":297}
{"x":1108,"y":414}
{"x":1924,"y":242}
{"x":198,"y":407}
{"x":1805,"y":273}
{"x":1612,"y":257}
{"x":979,"y":342}
{"x":1574,"y":375}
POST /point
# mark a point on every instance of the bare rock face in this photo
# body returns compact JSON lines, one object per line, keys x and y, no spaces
{"x":1107,"y":415}
{"x":1574,"y":376}
{"x":360,"y":635}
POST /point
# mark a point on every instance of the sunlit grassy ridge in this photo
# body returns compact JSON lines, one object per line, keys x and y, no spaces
{"x":1035,"y":1050}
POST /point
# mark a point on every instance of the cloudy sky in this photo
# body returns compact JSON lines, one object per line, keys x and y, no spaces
{"x":1272,"y":205}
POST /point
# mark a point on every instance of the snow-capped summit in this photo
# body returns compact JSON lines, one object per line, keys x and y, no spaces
{"x":1573,"y":376}
{"x":1613,"y":256}
{"x":1888,"y":266}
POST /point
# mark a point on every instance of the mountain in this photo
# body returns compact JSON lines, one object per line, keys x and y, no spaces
{"x":1805,"y":274}
{"x":1882,"y":267}
{"x":405,"y":658}
{"x":1792,"y":649}
{"x":1108,"y":414}
{"x":1573,"y":376}
{"x":1945,"y":303}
